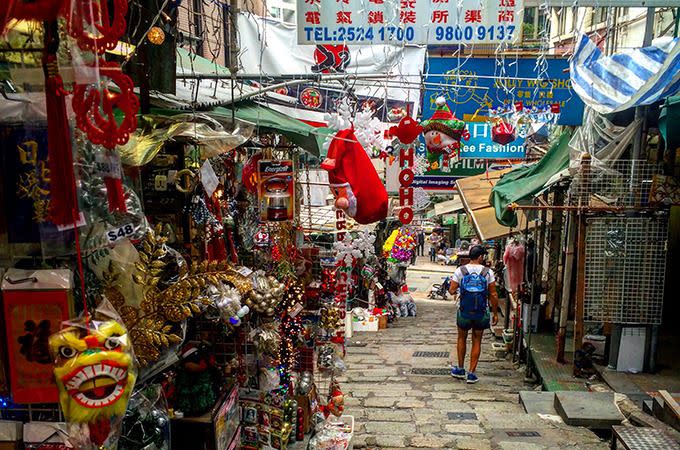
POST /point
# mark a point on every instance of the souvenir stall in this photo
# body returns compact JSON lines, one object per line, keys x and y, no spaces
{"x":170,"y":294}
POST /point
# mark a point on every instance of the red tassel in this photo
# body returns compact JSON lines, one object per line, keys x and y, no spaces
{"x":63,"y":201}
{"x":99,"y":431}
{"x":216,"y":250}
{"x":115,"y":194}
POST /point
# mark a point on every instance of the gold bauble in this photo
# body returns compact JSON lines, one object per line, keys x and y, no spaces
{"x":156,"y":36}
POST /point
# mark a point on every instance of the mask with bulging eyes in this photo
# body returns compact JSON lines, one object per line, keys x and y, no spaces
{"x":94,"y":371}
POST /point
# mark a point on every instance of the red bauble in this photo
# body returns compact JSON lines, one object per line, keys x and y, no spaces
{"x":94,"y":27}
{"x":94,"y":107}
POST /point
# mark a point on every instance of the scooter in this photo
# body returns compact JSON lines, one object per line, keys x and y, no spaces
{"x":440,"y":290}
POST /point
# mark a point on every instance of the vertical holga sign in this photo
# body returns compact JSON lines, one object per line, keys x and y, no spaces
{"x":406,"y":175}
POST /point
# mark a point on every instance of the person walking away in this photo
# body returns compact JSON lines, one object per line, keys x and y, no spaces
{"x":421,"y":242}
{"x":476,"y":287}
{"x":434,"y":239}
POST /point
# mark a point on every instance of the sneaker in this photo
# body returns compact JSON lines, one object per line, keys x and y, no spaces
{"x":458,"y":372}
{"x":471,"y":378}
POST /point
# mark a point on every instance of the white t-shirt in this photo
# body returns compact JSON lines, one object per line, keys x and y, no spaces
{"x":473,"y":268}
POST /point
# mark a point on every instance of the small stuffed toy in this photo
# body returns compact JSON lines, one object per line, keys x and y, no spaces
{"x":336,"y":401}
{"x":443,"y":132}
{"x":354,"y":181}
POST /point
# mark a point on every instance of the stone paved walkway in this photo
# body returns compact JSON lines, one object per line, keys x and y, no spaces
{"x":394,"y":408}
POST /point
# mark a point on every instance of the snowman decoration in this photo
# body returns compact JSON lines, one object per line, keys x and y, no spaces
{"x":443,"y":132}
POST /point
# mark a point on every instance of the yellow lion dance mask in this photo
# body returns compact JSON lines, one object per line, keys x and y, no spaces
{"x":94,"y":371}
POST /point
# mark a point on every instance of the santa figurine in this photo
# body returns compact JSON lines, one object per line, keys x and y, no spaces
{"x":443,"y":132}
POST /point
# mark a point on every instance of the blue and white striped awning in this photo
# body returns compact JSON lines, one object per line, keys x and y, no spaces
{"x":627,"y":79}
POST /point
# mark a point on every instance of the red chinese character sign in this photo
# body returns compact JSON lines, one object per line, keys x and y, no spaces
{"x":434,"y":22}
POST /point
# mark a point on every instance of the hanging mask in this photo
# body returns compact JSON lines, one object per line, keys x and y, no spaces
{"x":95,"y":375}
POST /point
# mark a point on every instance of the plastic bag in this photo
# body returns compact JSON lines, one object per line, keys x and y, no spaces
{"x":95,"y":371}
{"x":147,"y":423}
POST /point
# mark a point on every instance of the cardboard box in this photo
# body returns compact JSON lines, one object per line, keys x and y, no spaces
{"x":382,"y":322}
{"x":370,"y":324}
{"x":11,"y":435}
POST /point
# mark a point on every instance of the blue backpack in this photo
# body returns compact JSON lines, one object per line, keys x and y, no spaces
{"x":474,"y":294}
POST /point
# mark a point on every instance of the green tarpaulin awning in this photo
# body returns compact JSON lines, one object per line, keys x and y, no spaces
{"x":519,"y":185}
{"x":309,"y":138}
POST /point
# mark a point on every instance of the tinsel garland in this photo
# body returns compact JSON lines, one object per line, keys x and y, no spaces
{"x":290,"y":330}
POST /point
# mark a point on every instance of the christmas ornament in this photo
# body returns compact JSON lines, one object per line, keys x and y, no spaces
{"x":172,"y":293}
{"x":95,"y":374}
{"x":266,"y":294}
{"x":358,"y":190}
{"x":407,"y":131}
{"x":443,"y":132}
{"x":336,"y":401}
{"x":420,"y":165}
{"x":147,"y":422}
{"x":156,"y":35}
{"x":266,"y":339}
{"x":502,"y":132}
{"x":368,"y":129}
{"x":94,"y":106}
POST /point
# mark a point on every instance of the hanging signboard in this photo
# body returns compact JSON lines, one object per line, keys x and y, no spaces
{"x":490,"y":83}
{"x":481,"y":146}
{"x":408,"y":21}
{"x":263,"y":41}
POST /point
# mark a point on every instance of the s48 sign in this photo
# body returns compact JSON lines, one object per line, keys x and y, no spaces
{"x":408,"y":21}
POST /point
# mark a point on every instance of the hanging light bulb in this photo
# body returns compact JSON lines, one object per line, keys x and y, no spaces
{"x":156,"y":36}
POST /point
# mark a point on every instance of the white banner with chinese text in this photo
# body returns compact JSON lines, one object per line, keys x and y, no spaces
{"x":269,"y":48}
{"x":408,"y":21}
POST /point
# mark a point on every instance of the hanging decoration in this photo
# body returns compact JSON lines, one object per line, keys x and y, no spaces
{"x":94,"y":106}
{"x":407,"y":131}
{"x":357,"y":188}
{"x":95,"y":374}
{"x":443,"y":133}
{"x":502,"y":132}
{"x":63,"y":203}
{"x":404,"y":246}
{"x":155,"y":324}
{"x":94,"y":27}
{"x":367,"y":127}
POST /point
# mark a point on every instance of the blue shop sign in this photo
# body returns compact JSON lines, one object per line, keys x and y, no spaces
{"x":470,"y":103}
{"x":481,"y":146}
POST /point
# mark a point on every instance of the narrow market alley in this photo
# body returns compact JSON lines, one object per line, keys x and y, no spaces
{"x":402,"y":396}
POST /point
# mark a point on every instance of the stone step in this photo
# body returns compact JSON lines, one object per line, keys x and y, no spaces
{"x":538,"y":402}
{"x":596,"y":410}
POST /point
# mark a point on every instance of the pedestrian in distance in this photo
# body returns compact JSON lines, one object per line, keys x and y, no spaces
{"x":421,"y":242}
{"x":435,"y":240}
{"x":476,"y":287}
